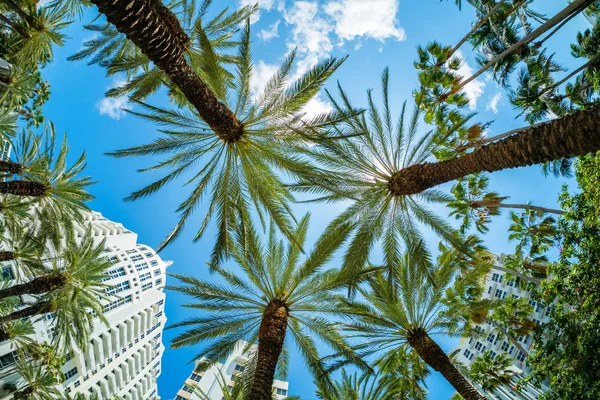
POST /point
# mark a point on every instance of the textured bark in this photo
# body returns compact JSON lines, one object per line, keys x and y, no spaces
{"x":15,"y":7}
{"x":12,"y":167}
{"x":7,"y":256}
{"x":23,"y":188}
{"x":40,"y":285}
{"x":479,"y":204}
{"x":271,"y":335}
{"x":435,"y":357}
{"x":156,"y":31}
{"x":4,"y":335}
{"x":42,"y":307}
{"x":23,"y":393}
{"x":573,"y":135}
{"x":19,"y":29}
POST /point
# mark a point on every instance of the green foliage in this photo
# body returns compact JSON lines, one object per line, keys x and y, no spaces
{"x":240,"y":177}
{"x":270,"y":273}
{"x":360,"y":170}
{"x":533,"y":231}
{"x":566,"y":348}
{"x":492,"y":372}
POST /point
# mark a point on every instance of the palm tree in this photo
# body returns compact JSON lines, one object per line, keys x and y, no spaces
{"x":21,"y":247}
{"x":40,"y":383}
{"x":511,"y":318}
{"x":273,"y":296}
{"x":492,"y":372}
{"x":533,"y":231}
{"x":363,"y":170}
{"x":355,"y":387}
{"x":237,"y":173}
{"x":70,"y":287}
{"x":389,"y":316}
{"x":474,"y":202}
{"x":56,"y":189}
{"x":112,"y":50}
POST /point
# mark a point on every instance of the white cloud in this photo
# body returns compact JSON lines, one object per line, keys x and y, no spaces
{"x":262,"y":5}
{"x":316,"y":106}
{"x":359,"y":18}
{"x":114,"y":106}
{"x":270,"y":33}
{"x":493,"y":103}
{"x":261,"y":73}
{"x":474,"y":89}
{"x":309,"y":32}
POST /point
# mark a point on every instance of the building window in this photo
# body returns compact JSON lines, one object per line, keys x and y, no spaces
{"x":521,"y":356}
{"x":490,"y":290}
{"x":539,"y":307}
{"x":178,"y":397}
{"x":532,"y":303}
{"x":149,"y":255}
{"x":510,"y":282}
{"x":146,"y":286}
{"x":113,"y":259}
{"x":498,"y":293}
{"x":470,"y":340}
{"x":467,"y":353}
{"x":491,"y":337}
{"x":70,"y":373}
{"x":514,"y":296}
{"x":77,"y":383}
{"x":504,"y":346}
{"x":493,"y":354}
{"x":137,"y":257}
{"x":239,"y":368}
{"x":549,"y":310}
{"x":478,"y":346}
{"x":187,"y":389}
{"x":496,"y":277}
{"x":7,"y":273}
{"x":8,"y":359}
{"x":195,"y":377}
{"x":118,"y":288}
{"x":114,"y":273}
{"x":512,"y":349}
{"x":145,"y":276}
{"x":142,"y":248}
{"x":117,"y":303}
{"x":281,"y":392}
{"x":158,"y":282}
{"x":141,"y":266}
{"x":154,"y":263}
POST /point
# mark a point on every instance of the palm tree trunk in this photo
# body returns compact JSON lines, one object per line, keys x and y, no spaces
{"x":39,"y":285}
{"x":23,"y":188}
{"x":15,"y":7}
{"x":41,"y":307}
{"x":7,"y":256}
{"x":156,"y":31}
{"x":271,"y":335}
{"x":435,"y":357}
{"x":23,"y":393}
{"x":523,"y":207}
{"x":572,"y":135}
{"x":575,"y":7}
{"x":572,"y":74}
{"x":511,"y":339}
{"x":4,"y":335}
{"x":12,"y":167}
{"x":14,"y":26}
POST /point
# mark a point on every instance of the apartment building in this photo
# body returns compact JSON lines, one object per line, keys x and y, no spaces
{"x":500,"y":284}
{"x":123,"y":358}
{"x":209,"y":383}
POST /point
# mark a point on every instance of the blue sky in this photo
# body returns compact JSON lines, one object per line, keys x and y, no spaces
{"x":374,"y":33}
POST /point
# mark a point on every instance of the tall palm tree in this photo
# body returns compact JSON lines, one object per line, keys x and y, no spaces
{"x":70,"y":287}
{"x":119,"y":55}
{"x":387,"y":317}
{"x":39,"y":173}
{"x":363,"y":170}
{"x":473,"y":202}
{"x":272,"y":297}
{"x":492,"y":372}
{"x":512,"y":318}
{"x":355,"y":387}
{"x":237,"y":173}
{"x":40,"y":383}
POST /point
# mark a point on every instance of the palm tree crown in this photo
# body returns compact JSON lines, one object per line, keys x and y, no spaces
{"x":237,"y":171}
{"x":362,"y":170}
{"x":274,"y":296}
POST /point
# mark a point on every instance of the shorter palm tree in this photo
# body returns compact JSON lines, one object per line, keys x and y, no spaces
{"x":492,"y":372}
{"x":388,"y":317}
{"x":70,"y":287}
{"x":272,"y":297}
{"x":40,"y":383}
{"x":533,"y":231}
{"x":512,"y":318}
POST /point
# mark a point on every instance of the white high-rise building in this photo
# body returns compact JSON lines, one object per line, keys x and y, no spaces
{"x":211,"y":382}
{"x":123,"y":358}
{"x":499,"y":285}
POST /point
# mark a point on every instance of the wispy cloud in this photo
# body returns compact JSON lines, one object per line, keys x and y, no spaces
{"x":474,"y":89}
{"x":270,"y":33}
{"x":492,"y":105}
{"x":114,"y":107}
